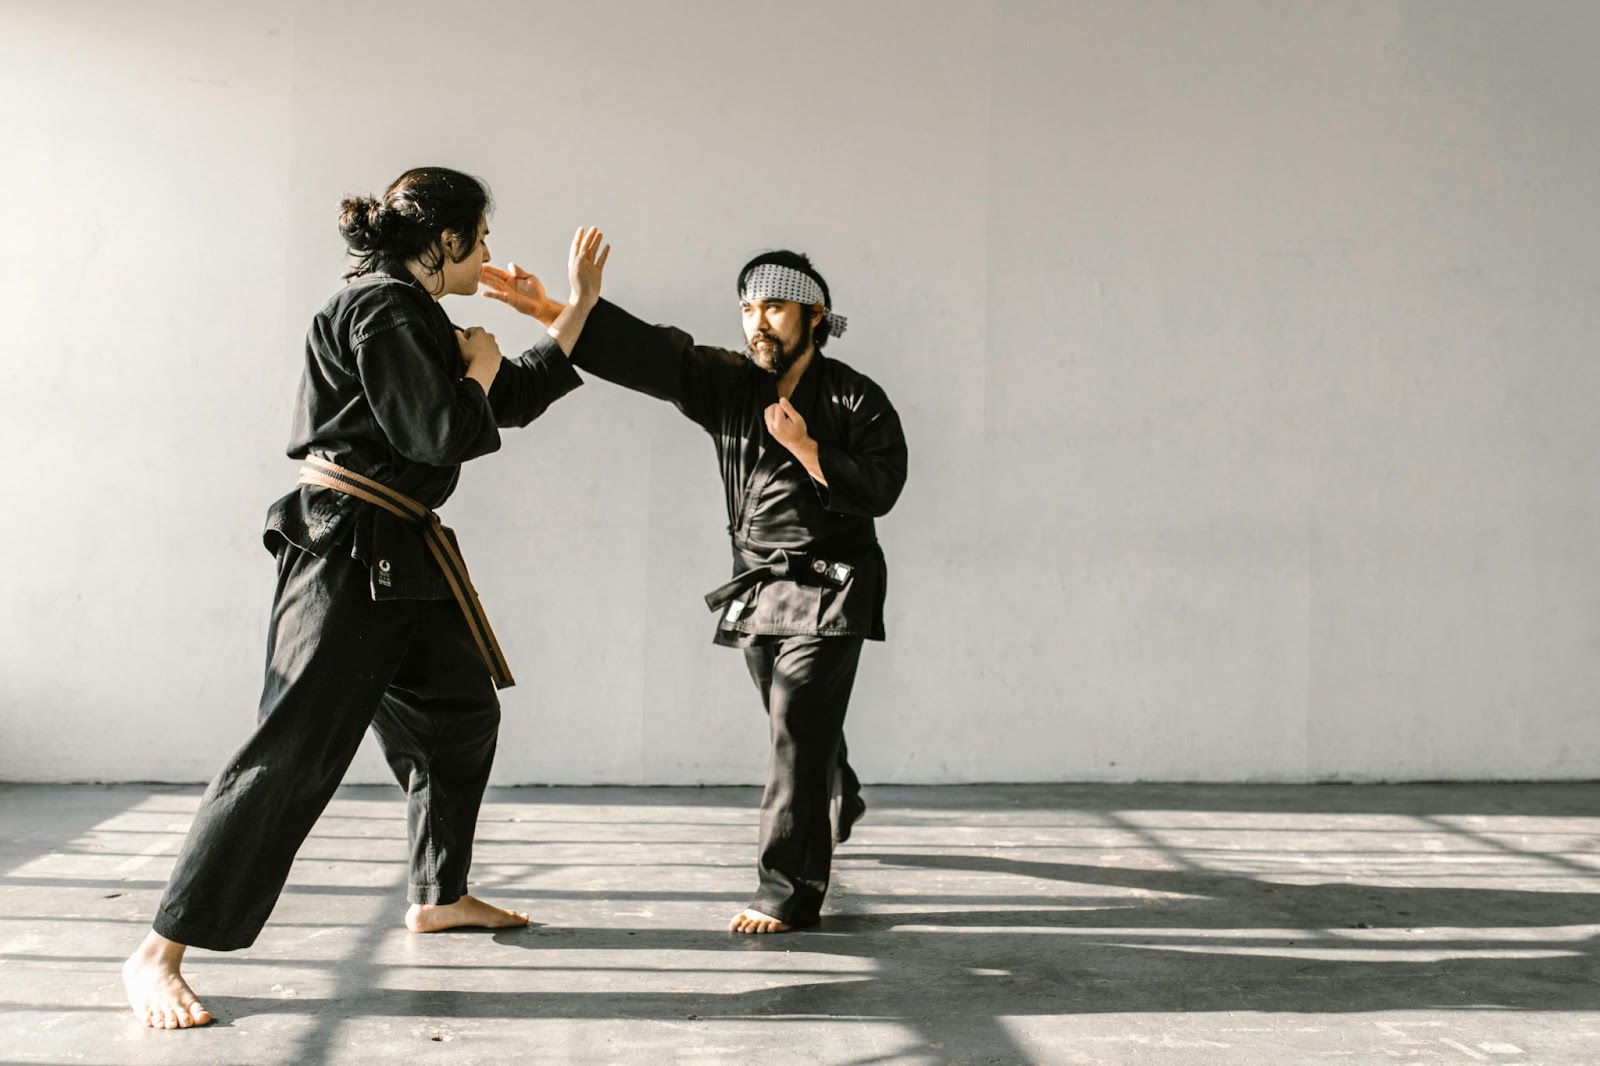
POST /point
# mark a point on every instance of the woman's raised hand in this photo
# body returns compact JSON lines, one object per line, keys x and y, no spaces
{"x":585,"y":265}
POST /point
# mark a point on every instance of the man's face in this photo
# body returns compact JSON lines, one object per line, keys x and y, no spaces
{"x":777,"y":333}
{"x":462,"y":278}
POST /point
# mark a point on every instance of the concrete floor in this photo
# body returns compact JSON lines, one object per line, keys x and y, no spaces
{"x":1043,"y":924}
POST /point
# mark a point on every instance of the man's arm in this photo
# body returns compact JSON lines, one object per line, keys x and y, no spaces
{"x":789,"y":430}
{"x":867,"y":478}
{"x":658,"y":361}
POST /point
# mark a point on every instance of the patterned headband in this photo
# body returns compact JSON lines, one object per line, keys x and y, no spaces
{"x":769,"y":281}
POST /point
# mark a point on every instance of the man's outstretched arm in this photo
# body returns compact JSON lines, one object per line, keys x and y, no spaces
{"x":658,"y":361}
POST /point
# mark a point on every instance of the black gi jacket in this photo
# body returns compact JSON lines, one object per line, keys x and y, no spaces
{"x":383,"y":394}
{"x":772,"y":501}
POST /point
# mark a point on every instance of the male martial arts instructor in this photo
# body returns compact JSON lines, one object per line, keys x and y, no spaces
{"x":811,"y":451}
{"x":374,"y":622}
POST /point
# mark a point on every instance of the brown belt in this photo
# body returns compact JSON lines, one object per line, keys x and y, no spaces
{"x":318,"y":471}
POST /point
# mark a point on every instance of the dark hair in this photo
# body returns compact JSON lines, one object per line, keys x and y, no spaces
{"x":406,"y":223}
{"x":794,"y":261}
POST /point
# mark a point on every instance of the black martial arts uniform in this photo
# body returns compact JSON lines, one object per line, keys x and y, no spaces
{"x":810,"y":575}
{"x":364,"y":628}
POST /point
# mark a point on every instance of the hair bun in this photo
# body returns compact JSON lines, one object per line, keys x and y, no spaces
{"x":361,"y":223}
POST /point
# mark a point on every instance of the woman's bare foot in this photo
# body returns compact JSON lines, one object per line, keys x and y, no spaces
{"x":157,"y":992}
{"x":468,"y":912}
{"x":753,"y":921}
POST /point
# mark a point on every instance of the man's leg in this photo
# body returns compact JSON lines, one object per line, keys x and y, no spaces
{"x":846,"y":807}
{"x":807,"y":691}
{"x":330,"y":653}
{"x":438,"y":726}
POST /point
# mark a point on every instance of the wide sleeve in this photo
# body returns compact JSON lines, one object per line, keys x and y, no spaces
{"x":526,"y":386}
{"x":865,"y":478}
{"x":658,"y":361}
{"x":428,"y":415}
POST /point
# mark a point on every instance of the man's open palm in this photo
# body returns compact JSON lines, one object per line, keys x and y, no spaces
{"x":519,"y":290}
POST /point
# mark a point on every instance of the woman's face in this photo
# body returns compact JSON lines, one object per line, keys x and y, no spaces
{"x":461,"y":278}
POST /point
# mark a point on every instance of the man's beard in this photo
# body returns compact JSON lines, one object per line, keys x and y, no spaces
{"x":786,"y":355}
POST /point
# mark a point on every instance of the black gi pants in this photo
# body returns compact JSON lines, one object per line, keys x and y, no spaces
{"x":337,"y":662}
{"x":805,"y":683}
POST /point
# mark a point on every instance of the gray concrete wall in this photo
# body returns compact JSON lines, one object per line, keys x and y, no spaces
{"x":1245,"y":349}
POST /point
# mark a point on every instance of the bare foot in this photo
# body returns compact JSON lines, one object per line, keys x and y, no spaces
{"x":157,"y":992}
{"x":468,"y":912}
{"x":753,"y":921}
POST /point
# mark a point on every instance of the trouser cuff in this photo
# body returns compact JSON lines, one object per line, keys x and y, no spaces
{"x":196,"y":935}
{"x":433,"y":895}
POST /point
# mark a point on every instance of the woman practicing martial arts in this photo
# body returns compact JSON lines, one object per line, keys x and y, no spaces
{"x":374,"y":621}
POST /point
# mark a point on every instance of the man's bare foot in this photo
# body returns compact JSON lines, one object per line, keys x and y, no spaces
{"x":468,"y":912}
{"x":157,"y":992}
{"x":753,"y":921}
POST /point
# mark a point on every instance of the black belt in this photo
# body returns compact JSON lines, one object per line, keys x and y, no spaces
{"x":782,"y":565}
{"x":318,"y":471}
